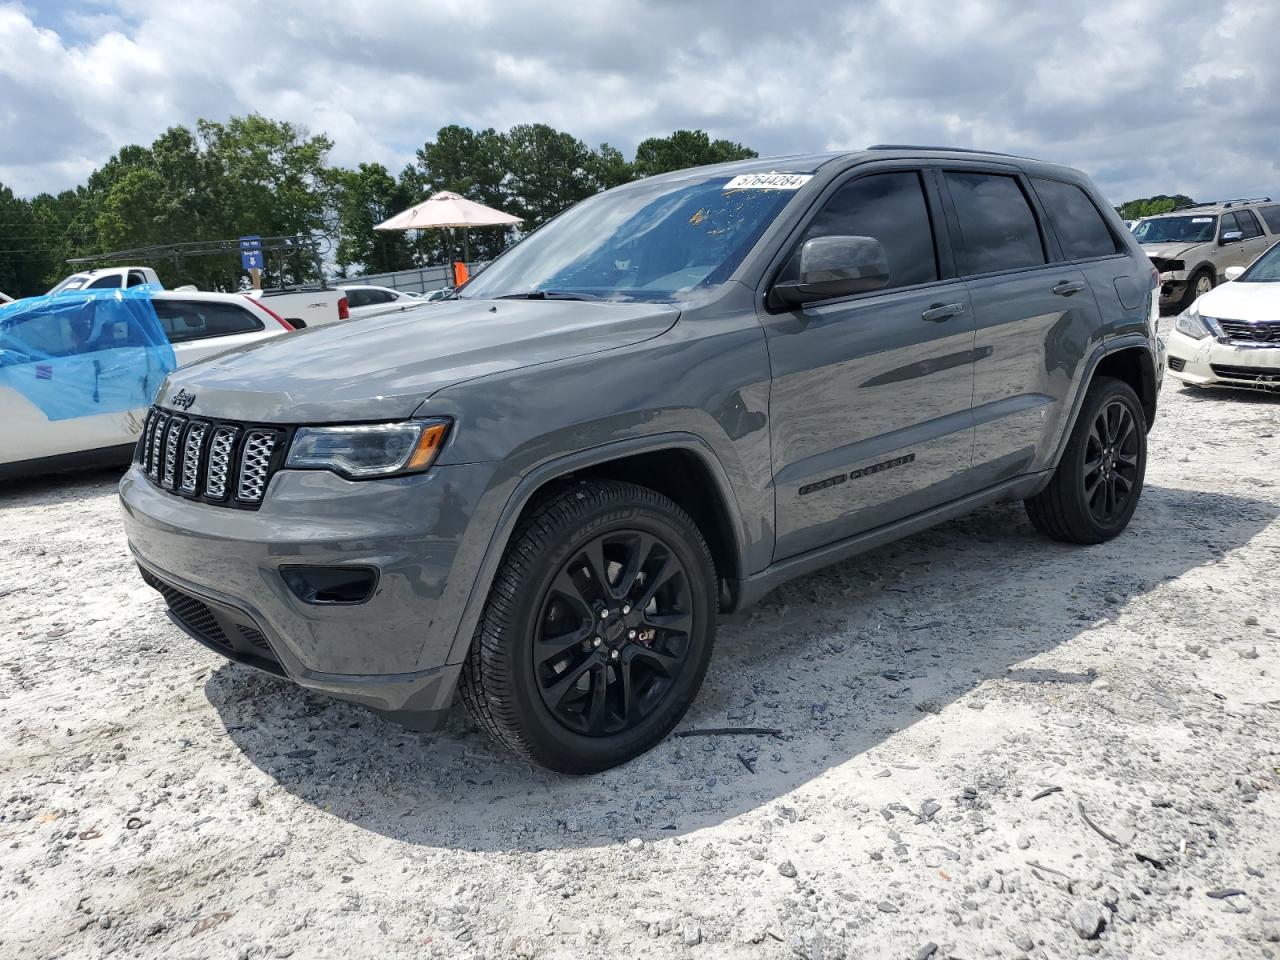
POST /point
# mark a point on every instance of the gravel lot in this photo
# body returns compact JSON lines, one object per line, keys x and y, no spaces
{"x":992,"y":745}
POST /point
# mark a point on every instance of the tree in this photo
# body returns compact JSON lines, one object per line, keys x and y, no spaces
{"x":25,"y":251}
{"x":607,"y":167}
{"x":1150,"y":206}
{"x":686,"y":148}
{"x":547,"y":171}
{"x":363,"y":198}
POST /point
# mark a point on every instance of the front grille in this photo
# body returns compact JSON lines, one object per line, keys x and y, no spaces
{"x":1265,"y":332}
{"x":1262,"y":376}
{"x":215,"y":461}
{"x":1176,"y":364}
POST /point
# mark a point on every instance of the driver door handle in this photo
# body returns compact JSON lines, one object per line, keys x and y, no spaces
{"x":1067,"y":287}
{"x":940,"y":312}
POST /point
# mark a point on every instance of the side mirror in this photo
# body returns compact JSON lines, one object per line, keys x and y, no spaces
{"x":1232,"y":273}
{"x":1230,"y":236}
{"x":834,"y":267}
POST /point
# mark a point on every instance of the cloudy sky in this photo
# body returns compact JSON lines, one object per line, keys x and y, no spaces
{"x":1146,"y":95}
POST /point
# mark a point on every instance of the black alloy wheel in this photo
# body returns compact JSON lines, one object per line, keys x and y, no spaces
{"x":1111,"y":462}
{"x":613,"y":632}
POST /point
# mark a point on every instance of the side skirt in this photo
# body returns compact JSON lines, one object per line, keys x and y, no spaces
{"x":747,"y":592}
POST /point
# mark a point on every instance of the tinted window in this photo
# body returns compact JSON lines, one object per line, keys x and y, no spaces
{"x":356,"y":298}
{"x":1248,"y":224}
{"x":1080,"y":228}
{"x":136,"y":278}
{"x":890,"y":207}
{"x":1272,"y":216}
{"x":996,"y":222}
{"x":381,"y":296}
{"x":105,"y":283}
{"x":1227,"y":224}
{"x":185,"y":320}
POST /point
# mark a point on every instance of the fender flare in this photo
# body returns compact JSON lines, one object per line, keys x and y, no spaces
{"x":1109,"y":346}
{"x":552,"y":470}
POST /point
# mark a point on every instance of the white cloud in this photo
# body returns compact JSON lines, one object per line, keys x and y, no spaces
{"x":1147,"y":96}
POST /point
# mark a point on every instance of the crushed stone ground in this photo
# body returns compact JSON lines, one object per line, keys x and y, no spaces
{"x":992,"y":746}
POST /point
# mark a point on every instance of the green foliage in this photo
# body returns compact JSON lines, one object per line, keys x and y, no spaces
{"x":253,"y":175}
{"x":1150,"y":206}
{"x":686,"y":148}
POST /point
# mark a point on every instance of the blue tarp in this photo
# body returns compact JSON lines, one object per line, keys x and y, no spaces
{"x":76,"y":354}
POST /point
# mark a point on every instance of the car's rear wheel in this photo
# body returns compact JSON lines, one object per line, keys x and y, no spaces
{"x":1098,"y":482}
{"x":598,"y":630}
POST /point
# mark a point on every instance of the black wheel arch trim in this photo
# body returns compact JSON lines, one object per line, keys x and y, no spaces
{"x":561,"y":467}
{"x":1109,"y":347}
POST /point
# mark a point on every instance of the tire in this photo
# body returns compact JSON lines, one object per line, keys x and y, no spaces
{"x":626,"y":676}
{"x":1074,"y":507}
{"x":1200,"y":283}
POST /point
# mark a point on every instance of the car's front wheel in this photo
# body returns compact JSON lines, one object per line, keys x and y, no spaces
{"x":1200,"y":284}
{"x":1096,"y":486}
{"x":597,"y":631}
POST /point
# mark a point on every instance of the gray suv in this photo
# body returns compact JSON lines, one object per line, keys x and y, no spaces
{"x":664,"y":403}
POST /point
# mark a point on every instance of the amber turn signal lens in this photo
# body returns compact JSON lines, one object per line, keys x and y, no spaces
{"x":428,"y":446}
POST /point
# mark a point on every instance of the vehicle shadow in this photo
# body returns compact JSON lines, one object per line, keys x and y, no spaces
{"x":839,"y":661}
{"x":1231,"y":394}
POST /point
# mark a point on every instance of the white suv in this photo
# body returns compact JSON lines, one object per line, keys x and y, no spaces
{"x":57,"y":372}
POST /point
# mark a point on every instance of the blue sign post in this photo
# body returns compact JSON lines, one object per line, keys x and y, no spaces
{"x":251,"y":253}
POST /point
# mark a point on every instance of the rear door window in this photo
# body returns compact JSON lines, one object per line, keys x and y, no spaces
{"x":1248,"y":224}
{"x":1080,"y":228}
{"x":996,"y":222}
{"x":891,"y":208}
{"x":186,"y":320}
{"x":106,"y":283}
{"x":357,"y":298}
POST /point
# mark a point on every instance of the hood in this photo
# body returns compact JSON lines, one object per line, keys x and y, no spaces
{"x":383,"y":367}
{"x":1246,"y":301}
{"x":1169,"y":251}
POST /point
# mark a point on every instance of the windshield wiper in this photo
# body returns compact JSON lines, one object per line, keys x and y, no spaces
{"x":551,"y":295}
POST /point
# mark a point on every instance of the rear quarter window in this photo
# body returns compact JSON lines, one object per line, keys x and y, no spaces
{"x":1271,"y":216}
{"x":1080,"y":228}
{"x":185,"y":320}
{"x":996,"y":222}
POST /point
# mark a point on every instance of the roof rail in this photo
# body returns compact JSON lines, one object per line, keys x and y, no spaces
{"x":1238,"y":203}
{"x":917,"y":146}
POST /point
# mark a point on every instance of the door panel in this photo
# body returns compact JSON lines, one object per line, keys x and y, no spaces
{"x":1029,"y":345}
{"x":870,"y":412}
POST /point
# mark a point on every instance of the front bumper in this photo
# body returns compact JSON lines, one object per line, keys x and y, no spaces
{"x":1173,"y":287}
{"x":1212,"y":363}
{"x":390,"y":652}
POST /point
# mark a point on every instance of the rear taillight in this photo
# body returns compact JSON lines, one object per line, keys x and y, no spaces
{"x":344,"y":312}
{"x":1155,"y":278}
{"x":272,"y":314}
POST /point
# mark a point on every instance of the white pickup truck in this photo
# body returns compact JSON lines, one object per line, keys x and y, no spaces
{"x":303,"y":306}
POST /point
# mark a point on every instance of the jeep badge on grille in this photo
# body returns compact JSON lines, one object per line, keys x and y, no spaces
{"x":183,"y":399}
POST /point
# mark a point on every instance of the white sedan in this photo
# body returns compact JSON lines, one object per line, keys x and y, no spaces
{"x":369,"y":301}
{"x":75,"y":381}
{"x":1230,"y":337}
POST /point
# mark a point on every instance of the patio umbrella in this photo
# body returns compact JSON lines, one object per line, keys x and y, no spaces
{"x":449,"y":210}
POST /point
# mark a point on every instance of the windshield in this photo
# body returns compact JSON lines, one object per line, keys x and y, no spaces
{"x":73,"y":282}
{"x":1176,"y":230}
{"x":1266,"y":269}
{"x":650,"y":242}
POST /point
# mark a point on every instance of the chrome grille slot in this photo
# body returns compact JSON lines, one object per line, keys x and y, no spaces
{"x":255,"y":461}
{"x":172,"y":437}
{"x":157,"y":435}
{"x":191,"y":451}
{"x":221,"y":450}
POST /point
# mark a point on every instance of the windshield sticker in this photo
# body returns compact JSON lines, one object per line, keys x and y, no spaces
{"x":1202,"y":219}
{"x":769,"y":181}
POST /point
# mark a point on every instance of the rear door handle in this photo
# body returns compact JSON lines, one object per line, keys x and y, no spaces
{"x":942,"y":311}
{"x":1067,"y":287}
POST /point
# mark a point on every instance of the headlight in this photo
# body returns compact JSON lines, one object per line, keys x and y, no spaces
{"x":376,"y":450}
{"x":1192,"y":324}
